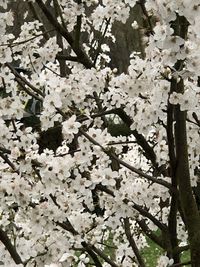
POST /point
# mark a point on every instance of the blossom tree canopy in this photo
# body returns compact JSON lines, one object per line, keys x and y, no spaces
{"x":95,"y":197}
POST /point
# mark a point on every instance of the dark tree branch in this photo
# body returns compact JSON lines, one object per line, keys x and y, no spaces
{"x":103,"y":188}
{"x":92,"y":254}
{"x":60,"y":42}
{"x":150,"y":234}
{"x":142,"y":4}
{"x":5,"y":150}
{"x":148,"y":215}
{"x":178,"y":250}
{"x":37,"y":17}
{"x":7,"y":160}
{"x":149,"y":152}
{"x":191,"y":212}
{"x":141,"y":141}
{"x":82,"y":56}
{"x":67,"y":226}
{"x":66,"y":57}
{"x":59,"y":11}
{"x":181,"y":264}
{"x":103,"y":256}
{"x":92,"y":250}
{"x":9,"y":246}
{"x":132,"y":243}
{"x":78,"y":28}
{"x":194,"y":115}
{"x":172,"y":219}
{"x":25,"y":89}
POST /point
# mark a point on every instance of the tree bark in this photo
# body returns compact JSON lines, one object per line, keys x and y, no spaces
{"x":187,"y":199}
{"x":181,"y":168}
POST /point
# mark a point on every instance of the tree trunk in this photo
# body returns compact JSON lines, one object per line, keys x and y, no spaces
{"x":187,"y":199}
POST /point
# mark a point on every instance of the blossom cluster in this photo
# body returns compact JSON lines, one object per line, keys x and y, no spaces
{"x":94,"y":188}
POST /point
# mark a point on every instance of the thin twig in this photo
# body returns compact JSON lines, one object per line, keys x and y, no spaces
{"x":132,"y":242}
{"x":57,"y":74}
{"x":148,"y":215}
{"x":103,"y":256}
{"x":7,"y":160}
{"x":59,"y":39}
{"x":125,"y":164}
{"x":29,"y":92}
{"x":194,"y":115}
{"x":27,"y":40}
{"x":181,"y":264}
{"x":17,"y":75}
{"x":101,"y":41}
{"x":142,"y":4}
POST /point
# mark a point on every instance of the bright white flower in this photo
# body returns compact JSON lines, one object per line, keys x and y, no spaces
{"x":53,"y":265}
{"x":174,"y":43}
{"x":135,"y":25}
{"x":123,"y":14}
{"x":164,"y":261}
{"x":131,"y":3}
{"x":175,"y":98}
{"x":49,"y":51}
{"x":67,"y":257}
{"x":188,"y":100}
{"x":70,"y":127}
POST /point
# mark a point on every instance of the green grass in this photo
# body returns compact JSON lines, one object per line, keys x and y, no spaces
{"x":151,"y":254}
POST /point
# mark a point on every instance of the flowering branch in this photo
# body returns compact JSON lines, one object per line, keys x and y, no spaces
{"x":101,"y":41}
{"x":125,"y":164}
{"x":82,"y":57}
{"x":148,"y":215}
{"x":21,"y":80}
{"x":27,"y":40}
{"x":90,"y":248}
